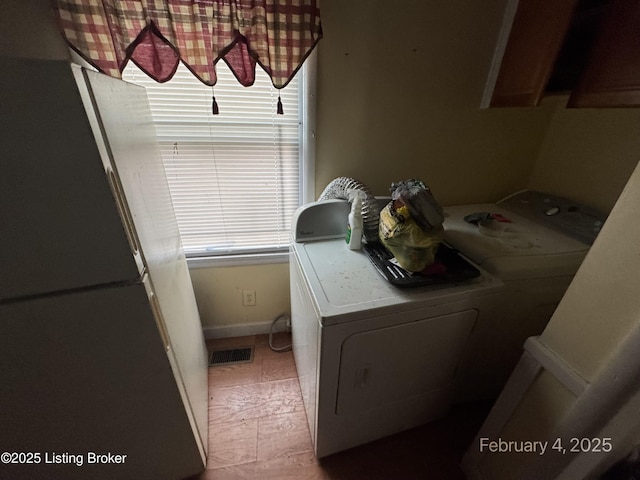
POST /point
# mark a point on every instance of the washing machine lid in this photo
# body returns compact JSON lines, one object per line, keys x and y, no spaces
{"x":575,"y":220}
{"x":524,"y":249}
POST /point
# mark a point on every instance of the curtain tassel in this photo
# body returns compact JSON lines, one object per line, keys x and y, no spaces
{"x":214,"y":105}
{"x":280,"y":110}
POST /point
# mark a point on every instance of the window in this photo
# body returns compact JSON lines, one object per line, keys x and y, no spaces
{"x":235,"y":178}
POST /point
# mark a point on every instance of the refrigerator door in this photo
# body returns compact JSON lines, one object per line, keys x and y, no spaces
{"x":124,"y":124}
{"x":88,"y":372}
{"x":175,"y":306}
{"x":60,"y":224}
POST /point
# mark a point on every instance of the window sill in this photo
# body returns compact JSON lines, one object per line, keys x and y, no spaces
{"x":237,"y":260}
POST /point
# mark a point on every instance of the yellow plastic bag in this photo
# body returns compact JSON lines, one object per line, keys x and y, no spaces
{"x":414,"y":248}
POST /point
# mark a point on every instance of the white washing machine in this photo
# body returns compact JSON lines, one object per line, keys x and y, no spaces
{"x":534,"y":243}
{"x":373,"y":359}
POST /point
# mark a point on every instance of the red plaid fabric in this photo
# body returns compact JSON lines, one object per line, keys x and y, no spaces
{"x":157,"y":34}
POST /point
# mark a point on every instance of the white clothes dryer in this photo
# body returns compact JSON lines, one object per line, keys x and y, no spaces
{"x":373,"y":359}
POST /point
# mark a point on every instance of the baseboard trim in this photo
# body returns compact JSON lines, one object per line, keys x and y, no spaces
{"x":243,"y":330}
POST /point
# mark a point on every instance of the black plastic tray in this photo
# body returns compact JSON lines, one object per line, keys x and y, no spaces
{"x":457,"y":269}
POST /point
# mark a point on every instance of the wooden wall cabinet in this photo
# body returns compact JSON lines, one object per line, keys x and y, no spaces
{"x":610,"y":76}
{"x":536,"y":36}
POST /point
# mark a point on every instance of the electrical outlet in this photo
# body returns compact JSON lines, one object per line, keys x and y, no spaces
{"x":249,"y":298}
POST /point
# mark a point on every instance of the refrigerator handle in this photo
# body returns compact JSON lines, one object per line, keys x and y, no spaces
{"x":124,"y":214}
{"x":157,"y":314}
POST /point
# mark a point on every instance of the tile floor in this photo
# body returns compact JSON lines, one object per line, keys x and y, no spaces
{"x":258,"y":429}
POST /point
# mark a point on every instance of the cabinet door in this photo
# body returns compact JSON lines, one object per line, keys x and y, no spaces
{"x":535,"y":39}
{"x":612,"y":76}
{"x":382,"y":367}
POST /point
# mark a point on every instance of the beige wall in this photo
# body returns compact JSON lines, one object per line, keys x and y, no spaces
{"x":601,"y":306}
{"x":219,"y":294}
{"x":588,"y":154}
{"x":398,"y":96}
{"x":29,"y":30}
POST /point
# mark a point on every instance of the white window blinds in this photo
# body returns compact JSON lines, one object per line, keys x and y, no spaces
{"x":234,"y":177}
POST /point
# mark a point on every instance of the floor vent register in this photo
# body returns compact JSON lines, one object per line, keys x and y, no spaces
{"x":231,"y":356}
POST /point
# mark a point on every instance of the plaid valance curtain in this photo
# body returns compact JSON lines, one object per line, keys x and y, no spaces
{"x":156,"y":34}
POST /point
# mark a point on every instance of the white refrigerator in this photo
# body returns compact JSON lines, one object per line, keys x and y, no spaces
{"x":103,"y":367}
